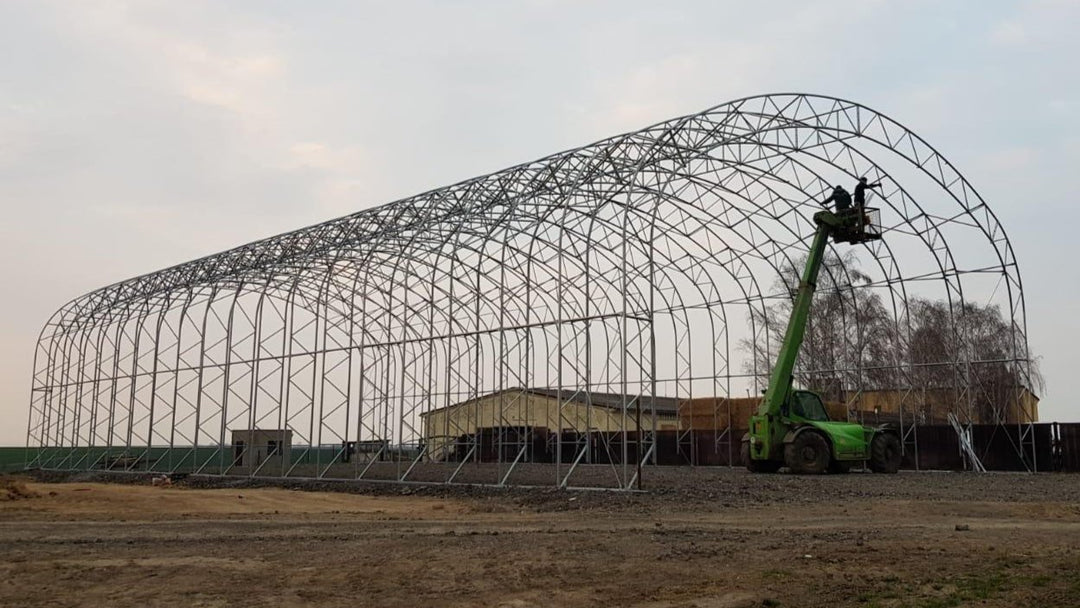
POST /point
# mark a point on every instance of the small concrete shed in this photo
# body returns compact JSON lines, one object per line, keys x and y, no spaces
{"x":266,"y":448}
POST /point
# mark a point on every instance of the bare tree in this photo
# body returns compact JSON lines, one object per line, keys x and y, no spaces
{"x":854,"y":342}
{"x":850,"y":338}
{"x":968,"y":349}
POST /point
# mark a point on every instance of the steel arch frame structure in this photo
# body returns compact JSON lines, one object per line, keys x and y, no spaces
{"x":631,"y":265}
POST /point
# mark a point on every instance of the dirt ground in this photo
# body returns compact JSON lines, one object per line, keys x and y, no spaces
{"x":704,"y":538}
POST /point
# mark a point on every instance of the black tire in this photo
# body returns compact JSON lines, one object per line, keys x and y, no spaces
{"x":757,"y":466}
{"x":808,"y":454}
{"x":885,"y":453}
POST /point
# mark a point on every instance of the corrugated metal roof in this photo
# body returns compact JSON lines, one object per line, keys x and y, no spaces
{"x":614,"y":401}
{"x":663,"y":405}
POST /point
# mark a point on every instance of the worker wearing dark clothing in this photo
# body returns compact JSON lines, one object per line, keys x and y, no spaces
{"x":860,"y":191}
{"x":841,"y":197}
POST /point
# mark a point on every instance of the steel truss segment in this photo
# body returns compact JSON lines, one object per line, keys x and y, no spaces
{"x":540,"y":314}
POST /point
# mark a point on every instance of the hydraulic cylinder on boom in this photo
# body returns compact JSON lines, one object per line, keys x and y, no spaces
{"x":791,"y":427}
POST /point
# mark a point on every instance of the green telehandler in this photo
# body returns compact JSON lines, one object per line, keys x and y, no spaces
{"x":791,"y":427}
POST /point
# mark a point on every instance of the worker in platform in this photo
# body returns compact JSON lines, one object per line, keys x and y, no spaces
{"x":841,"y":197}
{"x":860,"y":191}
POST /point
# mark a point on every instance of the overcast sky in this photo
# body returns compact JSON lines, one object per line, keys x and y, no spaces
{"x":136,"y":135}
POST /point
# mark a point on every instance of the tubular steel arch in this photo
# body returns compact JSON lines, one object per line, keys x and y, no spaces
{"x":628,"y":270}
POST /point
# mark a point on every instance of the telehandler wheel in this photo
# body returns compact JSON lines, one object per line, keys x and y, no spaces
{"x":808,"y":454}
{"x":757,"y":466}
{"x":885,"y":453}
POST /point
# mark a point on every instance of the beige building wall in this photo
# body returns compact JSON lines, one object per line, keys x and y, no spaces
{"x":714,"y":413}
{"x":931,"y":406}
{"x":443,"y":426}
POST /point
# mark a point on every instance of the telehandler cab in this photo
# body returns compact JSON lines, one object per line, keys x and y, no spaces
{"x":791,"y":427}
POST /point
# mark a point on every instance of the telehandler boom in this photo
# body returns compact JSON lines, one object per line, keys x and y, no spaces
{"x":791,"y":427}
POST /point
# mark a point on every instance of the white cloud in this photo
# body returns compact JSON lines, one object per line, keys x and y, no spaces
{"x":1009,"y":33}
{"x":1011,"y":159}
{"x":323,"y":156}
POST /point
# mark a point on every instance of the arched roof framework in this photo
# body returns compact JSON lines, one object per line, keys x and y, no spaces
{"x":605,"y":259}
